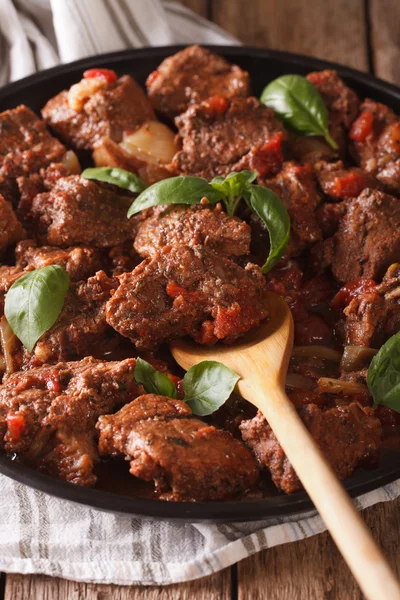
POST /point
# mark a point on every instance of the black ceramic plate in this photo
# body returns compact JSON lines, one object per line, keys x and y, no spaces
{"x":263,"y":66}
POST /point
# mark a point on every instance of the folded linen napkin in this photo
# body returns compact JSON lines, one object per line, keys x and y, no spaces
{"x":38,"y":34}
{"x":41,"y":534}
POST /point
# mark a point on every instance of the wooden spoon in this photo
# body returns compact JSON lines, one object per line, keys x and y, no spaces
{"x":261,"y":360}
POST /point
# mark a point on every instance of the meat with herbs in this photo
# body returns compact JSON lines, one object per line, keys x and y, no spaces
{"x":219,"y":135}
{"x":340,"y":182}
{"x":26,"y":147}
{"x":368,"y":239}
{"x":192,"y":75}
{"x":341,"y":101}
{"x":187,"y":459}
{"x":78,"y":211}
{"x":328,"y":216}
{"x":95,"y":108}
{"x":296,"y":187}
{"x":192,"y":226}
{"x":48,"y":415}
{"x":346,"y":434}
{"x":80,"y":330}
{"x":375,"y":143}
{"x":372,"y":314}
{"x":191,"y":270}
{"x":11,"y":230}
{"x":80,"y":262}
{"x":187,"y":291}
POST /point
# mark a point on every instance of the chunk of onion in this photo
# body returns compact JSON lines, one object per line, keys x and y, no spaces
{"x":356,"y":358}
{"x":71,"y":163}
{"x":302,"y":382}
{"x":80,"y":92}
{"x":8,"y":342}
{"x":318,"y":352}
{"x":338,"y":386}
{"x":154,"y":143}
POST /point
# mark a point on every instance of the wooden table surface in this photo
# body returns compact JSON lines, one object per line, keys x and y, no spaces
{"x":364,"y":34}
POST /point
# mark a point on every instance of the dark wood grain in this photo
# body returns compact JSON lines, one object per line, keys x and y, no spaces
{"x":37,"y":587}
{"x":201,"y":7}
{"x":384,"y":19}
{"x":313,"y":569}
{"x":334,"y":30}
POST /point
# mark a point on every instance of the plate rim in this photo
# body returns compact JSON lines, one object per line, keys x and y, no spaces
{"x":207,"y":512}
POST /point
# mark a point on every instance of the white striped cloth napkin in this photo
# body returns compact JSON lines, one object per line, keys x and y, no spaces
{"x":41,"y":534}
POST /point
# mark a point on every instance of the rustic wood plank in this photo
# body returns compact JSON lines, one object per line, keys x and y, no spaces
{"x":384,"y":18}
{"x":201,"y":7}
{"x":38,"y":587}
{"x":313,"y":568}
{"x":334,"y":30}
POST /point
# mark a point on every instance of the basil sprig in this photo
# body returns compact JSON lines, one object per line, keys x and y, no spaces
{"x":120,"y":177}
{"x":207,"y":385}
{"x":34,"y":302}
{"x":231,"y":190}
{"x":297,"y":102}
{"x":383,"y":378}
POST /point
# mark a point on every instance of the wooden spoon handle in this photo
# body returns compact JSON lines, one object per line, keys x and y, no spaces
{"x":349,"y":531}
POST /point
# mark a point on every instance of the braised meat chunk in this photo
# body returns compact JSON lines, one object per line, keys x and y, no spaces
{"x":365,"y":318}
{"x":340,"y":182}
{"x":187,"y":291}
{"x":10,"y":228}
{"x":296,"y":187}
{"x":368,"y":238}
{"x":78,"y":211}
{"x":186,"y":458}
{"x":346,"y":434}
{"x":328,"y":215}
{"x":198,"y":225}
{"x":48,"y":415}
{"x":96,"y":108}
{"x":192,"y":75}
{"x":26,"y":147}
{"x":375,"y":143}
{"x":30,"y":185}
{"x":341,"y":101}
{"x":219,"y":135}
{"x":79,"y":262}
{"x":373,"y":315}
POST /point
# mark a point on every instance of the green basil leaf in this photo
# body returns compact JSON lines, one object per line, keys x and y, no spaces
{"x":271,"y":210}
{"x":383,"y":378}
{"x":297,"y":102}
{"x":207,"y":386}
{"x":234,"y":183}
{"x":120,"y":177}
{"x":233,"y":187}
{"x":153,"y":381}
{"x":34,"y":302}
{"x":176,"y":190}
